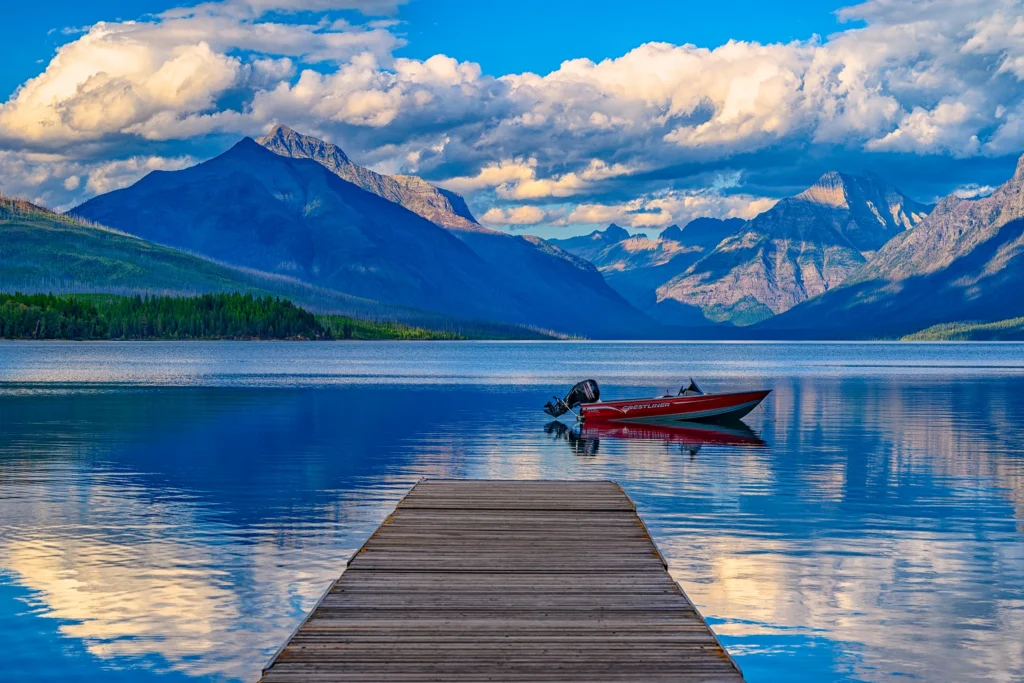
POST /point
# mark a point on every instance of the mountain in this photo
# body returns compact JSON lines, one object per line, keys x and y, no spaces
{"x":798,"y":249}
{"x":255,"y":208}
{"x":445,"y":208}
{"x":702,"y":232}
{"x":45,"y":251}
{"x":534,"y":269}
{"x":250,"y":207}
{"x":614,"y":250}
{"x":867,"y":211}
{"x":588,"y":247}
{"x":635,"y":266}
{"x":963,"y":264}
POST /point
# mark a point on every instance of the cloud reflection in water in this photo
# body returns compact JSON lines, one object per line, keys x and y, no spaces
{"x":872,"y":531}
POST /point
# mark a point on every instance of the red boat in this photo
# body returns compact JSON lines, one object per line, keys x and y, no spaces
{"x":690,"y":404}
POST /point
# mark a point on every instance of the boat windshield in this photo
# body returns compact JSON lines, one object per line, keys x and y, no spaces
{"x":691,"y":390}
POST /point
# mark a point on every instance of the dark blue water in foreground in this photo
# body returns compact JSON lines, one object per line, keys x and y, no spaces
{"x":170,"y":511}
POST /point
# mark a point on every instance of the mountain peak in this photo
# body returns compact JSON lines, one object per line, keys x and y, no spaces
{"x":702,"y":232}
{"x":287,"y":142}
{"x":282,"y":131}
{"x":836,"y":189}
{"x":616,"y":233}
{"x":672,"y":232}
{"x":877,"y":208}
{"x":801,"y":247}
{"x":441,"y":207}
{"x":246,"y":143}
{"x":245,"y":149}
{"x":831,"y":189}
{"x":1018,"y":174}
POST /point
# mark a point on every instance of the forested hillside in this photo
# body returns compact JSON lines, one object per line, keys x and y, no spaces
{"x":1002,"y":330}
{"x":343,"y":327}
{"x":209,"y":316}
{"x":43,"y":251}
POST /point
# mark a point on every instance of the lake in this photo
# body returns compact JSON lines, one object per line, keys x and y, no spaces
{"x":170,"y":511}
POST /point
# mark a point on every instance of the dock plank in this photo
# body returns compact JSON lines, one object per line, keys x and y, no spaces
{"x":480,"y":580}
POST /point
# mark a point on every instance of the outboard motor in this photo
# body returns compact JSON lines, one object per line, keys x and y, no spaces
{"x":586,"y":391}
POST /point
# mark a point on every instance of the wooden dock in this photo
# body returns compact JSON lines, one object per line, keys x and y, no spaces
{"x":472,"y":580}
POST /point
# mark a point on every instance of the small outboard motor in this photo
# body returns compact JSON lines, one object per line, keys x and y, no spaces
{"x":692,"y":390}
{"x":586,"y":391}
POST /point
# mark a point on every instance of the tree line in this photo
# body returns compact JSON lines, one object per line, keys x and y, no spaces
{"x":208,"y":316}
{"x":344,"y":327}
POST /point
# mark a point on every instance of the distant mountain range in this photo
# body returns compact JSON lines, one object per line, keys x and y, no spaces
{"x":297,"y":206}
{"x":293,"y":216}
{"x":740,"y":273}
{"x":636,"y":265}
{"x":590,"y":246}
{"x":798,"y":249}
{"x":963,"y":263}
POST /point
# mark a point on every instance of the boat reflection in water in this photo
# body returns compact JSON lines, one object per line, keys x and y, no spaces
{"x":688,"y":436}
{"x":579,"y":444}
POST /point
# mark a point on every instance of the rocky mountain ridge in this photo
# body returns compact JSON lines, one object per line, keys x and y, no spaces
{"x":963,"y":263}
{"x":802,"y":247}
{"x":443,"y":207}
{"x":589,"y":247}
{"x":636,"y":265}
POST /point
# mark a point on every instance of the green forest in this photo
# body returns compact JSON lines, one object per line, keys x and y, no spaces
{"x":208,"y":316}
{"x":343,"y":327}
{"x":1002,"y":330}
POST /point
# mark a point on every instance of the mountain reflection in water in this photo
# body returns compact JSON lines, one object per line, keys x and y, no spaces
{"x":872,"y":530}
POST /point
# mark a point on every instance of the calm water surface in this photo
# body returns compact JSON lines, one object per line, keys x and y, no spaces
{"x":170,"y":511}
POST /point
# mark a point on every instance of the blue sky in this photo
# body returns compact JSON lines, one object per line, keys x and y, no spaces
{"x":537,"y":36}
{"x":642,"y":113}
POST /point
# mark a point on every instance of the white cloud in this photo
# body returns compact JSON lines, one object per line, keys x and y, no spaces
{"x":517,"y":179}
{"x":666,"y":208}
{"x":105,"y":81}
{"x":501,"y":174}
{"x":948,"y":127}
{"x":113,"y":175}
{"x":519,"y":215}
{"x":138,"y":77}
{"x":973,"y":191}
{"x":600,"y":214}
{"x":937,"y":78}
{"x":61,"y":183}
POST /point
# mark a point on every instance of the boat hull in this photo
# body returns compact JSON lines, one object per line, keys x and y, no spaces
{"x":699,"y":408}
